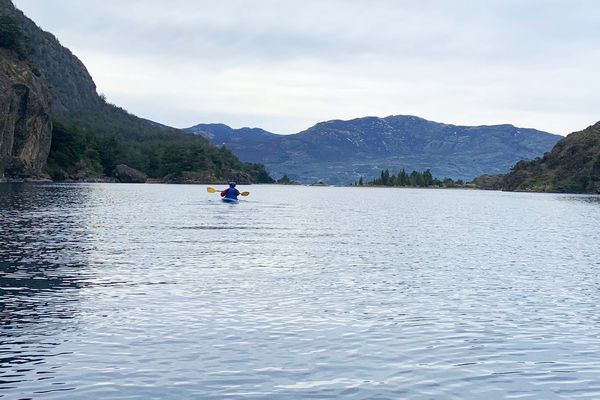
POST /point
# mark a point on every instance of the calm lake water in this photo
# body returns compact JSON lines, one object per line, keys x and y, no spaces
{"x":162,"y":292}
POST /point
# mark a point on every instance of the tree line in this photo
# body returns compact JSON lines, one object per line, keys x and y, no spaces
{"x":414,"y":179}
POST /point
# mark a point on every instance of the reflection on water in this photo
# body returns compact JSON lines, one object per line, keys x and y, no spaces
{"x":42,"y":256}
{"x":590,"y":199}
{"x":152,"y":291}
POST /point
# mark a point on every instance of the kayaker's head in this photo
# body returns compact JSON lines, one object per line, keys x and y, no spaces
{"x":231,"y":184}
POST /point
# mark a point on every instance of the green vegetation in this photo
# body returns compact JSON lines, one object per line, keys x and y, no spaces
{"x":71,"y":150}
{"x":573,"y":166}
{"x":414,"y":179}
{"x":78,"y":154}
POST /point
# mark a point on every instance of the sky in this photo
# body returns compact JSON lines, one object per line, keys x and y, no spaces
{"x":285,"y":65}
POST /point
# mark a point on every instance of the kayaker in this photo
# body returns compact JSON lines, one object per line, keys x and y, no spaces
{"x":231,"y":192}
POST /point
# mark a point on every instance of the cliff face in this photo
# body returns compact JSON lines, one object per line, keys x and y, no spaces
{"x":90,"y":136}
{"x":74,"y":96}
{"x":25,"y":121}
{"x":73,"y":88}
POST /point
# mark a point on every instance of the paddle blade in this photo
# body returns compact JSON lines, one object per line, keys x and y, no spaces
{"x":245,"y":194}
{"x":211,"y":190}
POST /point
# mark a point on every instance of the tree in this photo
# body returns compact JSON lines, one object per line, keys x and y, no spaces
{"x":427,"y":178}
{"x":414,"y":178}
{"x":402,"y":178}
{"x":385,"y":178}
{"x":109,"y":148}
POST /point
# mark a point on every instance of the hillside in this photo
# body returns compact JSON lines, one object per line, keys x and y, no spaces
{"x":95,"y":136}
{"x":343,"y":151}
{"x":573,"y":166}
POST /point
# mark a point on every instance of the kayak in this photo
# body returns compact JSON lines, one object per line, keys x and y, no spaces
{"x":230,"y":201}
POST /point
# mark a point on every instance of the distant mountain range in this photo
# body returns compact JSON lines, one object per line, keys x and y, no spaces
{"x":340,"y":152}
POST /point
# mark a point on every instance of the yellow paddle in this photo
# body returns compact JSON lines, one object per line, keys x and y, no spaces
{"x":213,"y":190}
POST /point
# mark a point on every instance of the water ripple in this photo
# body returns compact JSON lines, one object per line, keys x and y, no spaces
{"x":157,"y":292}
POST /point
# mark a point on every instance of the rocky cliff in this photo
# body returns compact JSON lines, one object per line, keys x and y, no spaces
{"x":90,"y":137}
{"x":25,"y":109}
{"x":73,"y":88}
{"x":74,"y":96}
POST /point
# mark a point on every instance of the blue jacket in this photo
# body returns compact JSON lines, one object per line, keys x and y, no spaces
{"x":230,"y":193}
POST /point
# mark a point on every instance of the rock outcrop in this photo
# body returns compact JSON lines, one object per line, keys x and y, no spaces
{"x":25,"y":119}
{"x":125,"y":174}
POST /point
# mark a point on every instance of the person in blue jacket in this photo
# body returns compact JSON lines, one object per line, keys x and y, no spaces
{"x":231,"y":192}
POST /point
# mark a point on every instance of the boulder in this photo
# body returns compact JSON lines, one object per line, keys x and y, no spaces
{"x":125,"y":174}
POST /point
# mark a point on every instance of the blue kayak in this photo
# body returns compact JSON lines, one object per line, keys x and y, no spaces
{"x":230,"y":201}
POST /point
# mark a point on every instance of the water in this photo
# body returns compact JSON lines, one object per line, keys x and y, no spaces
{"x":163,"y":292}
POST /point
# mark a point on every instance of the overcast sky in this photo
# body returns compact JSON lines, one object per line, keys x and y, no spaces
{"x":284,"y":65}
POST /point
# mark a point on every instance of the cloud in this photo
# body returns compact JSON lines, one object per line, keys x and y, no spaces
{"x":285,"y":65}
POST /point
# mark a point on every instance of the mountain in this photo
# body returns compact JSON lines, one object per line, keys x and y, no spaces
{"x":573,"y":166}
{"x":90,"y":137}
{"x":342,"y":151}
{"x":74,"y":95}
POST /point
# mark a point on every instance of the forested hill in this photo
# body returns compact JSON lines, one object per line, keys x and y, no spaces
{"x":573,"y":166}
{"x":343,"y":151}
{"x":92,"y":136}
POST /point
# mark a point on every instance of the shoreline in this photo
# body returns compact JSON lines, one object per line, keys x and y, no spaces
{"x":158,"y":182}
